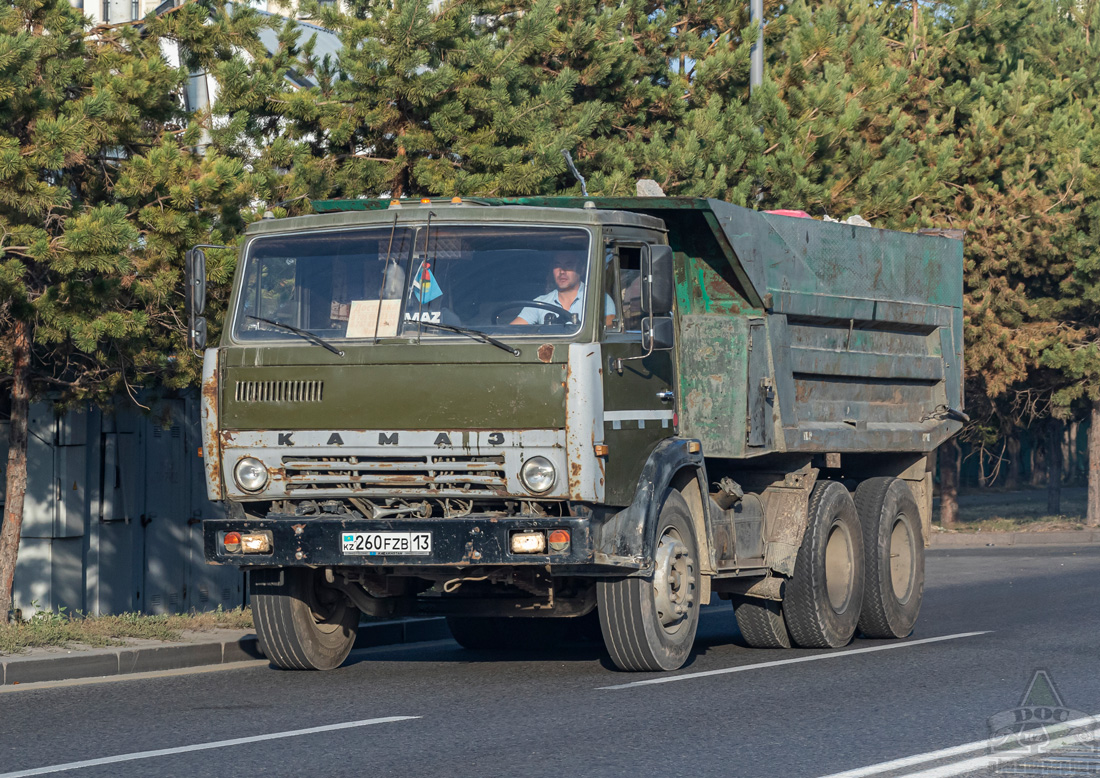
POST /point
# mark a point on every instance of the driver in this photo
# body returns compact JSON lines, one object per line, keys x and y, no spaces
{"x":567,"y":294}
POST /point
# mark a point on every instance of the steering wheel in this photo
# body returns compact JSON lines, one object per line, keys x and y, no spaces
{"x":555,"y":311}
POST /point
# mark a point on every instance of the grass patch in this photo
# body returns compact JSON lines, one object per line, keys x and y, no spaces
{"x":60,"y":629}
{"x":1025,"y":510}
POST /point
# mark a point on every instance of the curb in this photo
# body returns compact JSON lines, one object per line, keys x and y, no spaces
{"x":173,"y":656}
{"x":1022,"y":539}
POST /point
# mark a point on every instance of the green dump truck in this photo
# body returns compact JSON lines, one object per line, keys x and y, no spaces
{"x":519,"y":412}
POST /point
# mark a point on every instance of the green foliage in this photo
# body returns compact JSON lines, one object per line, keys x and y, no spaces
{"x":979,"y":117}
{"x":99,"y":197}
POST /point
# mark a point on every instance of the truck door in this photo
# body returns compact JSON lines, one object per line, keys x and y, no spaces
{"x":638,"y":393}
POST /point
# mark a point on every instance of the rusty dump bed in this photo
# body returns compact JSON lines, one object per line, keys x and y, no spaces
{"x":798,"y":335}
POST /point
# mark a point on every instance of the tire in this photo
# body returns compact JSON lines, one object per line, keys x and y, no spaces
{"x":649,"y":624}
{"x":893,"y":546}
{"x":301,"y":623}
{"x":506,"y":633}
{"x":825,"y":594}
{"x":761,"y":622}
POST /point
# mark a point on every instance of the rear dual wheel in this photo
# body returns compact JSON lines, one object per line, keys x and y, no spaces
{"x":860,"y":566}
{"x":894,"y":558}
{"x":825,"y":594}
{"x":761,"y":622}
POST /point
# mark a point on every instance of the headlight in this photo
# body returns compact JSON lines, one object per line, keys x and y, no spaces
{"x":538,"y":474}
{"x":250,"y":474}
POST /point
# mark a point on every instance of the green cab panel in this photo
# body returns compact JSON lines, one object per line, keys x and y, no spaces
{"x":398,"y":396}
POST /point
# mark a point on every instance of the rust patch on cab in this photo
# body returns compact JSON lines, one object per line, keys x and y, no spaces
{"x":211,"y":452}
{"x":546,"y":352}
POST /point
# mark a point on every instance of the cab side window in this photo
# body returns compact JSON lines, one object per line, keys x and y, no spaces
{"x":614,"y":322}
{"x":630,"y":287}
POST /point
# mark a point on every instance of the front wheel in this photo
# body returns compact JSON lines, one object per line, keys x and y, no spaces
{"x":649,"y":624}
{"x":301,"y":622}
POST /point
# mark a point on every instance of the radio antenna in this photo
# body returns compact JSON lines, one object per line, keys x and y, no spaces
{"x":574,"y":171}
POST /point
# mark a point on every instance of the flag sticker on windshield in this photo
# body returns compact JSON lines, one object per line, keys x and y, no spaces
{"x":425,"y":287}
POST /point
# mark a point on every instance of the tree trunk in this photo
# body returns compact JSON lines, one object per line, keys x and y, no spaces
{"x":16,"y":487}
{"x":1012,"y":467}
{"x":1038,"y":459}
{"x":949,"y":483}
{"x":1073,"y":466}
{"x":916,"y":19}
{"x":1092,"y":514}
{"x":1054,"y":467}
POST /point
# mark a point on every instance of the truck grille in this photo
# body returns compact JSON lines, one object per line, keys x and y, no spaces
{"x":279,"y":391}
{"x":441,"y":476}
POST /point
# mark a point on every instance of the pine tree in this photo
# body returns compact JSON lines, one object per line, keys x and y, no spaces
{"x":99,"y":196}
{"x":1028,"y":151}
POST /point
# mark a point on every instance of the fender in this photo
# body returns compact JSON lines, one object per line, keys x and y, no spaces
{"x":627,"y":538}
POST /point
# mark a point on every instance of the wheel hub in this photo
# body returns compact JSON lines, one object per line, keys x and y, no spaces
{"x":839,"y":566}
{"x":901,"y":561}
{"x":673,"y":581}
{"x":326,"y":605}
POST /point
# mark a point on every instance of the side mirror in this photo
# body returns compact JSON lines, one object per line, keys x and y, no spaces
{"x":194,"y":268}
{"x":657,"y":333}
{"x":198,"y":334}
{"x":195,"y":272}
{"x":658,"y":282}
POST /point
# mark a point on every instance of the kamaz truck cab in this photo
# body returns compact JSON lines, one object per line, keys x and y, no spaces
{"x":517,"y":413}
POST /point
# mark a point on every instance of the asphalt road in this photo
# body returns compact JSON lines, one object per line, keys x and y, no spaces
{"x":733,"y":711}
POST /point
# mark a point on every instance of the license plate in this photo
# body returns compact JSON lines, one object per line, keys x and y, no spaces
{"x":387,"y":543}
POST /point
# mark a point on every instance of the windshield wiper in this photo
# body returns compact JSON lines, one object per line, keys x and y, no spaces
{"x":300,"y":333}
{"x":475,"y":334}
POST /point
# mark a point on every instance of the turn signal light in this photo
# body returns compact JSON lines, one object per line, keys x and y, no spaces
{"x":232,"y":542}
{"x":559,"y":540}
{"x":528,"y":543}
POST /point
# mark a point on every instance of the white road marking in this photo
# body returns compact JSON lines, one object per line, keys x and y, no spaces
{"x":60,"y":768}
{"x":1090,"y":731}
{"x":795,"y":661}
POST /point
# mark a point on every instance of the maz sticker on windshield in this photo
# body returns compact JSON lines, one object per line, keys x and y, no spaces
{"x":428,"y":316}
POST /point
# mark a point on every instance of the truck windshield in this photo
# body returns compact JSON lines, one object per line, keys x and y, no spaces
{"x":503,"y":280}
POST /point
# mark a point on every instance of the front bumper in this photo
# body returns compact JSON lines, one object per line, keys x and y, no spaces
{"x":467,"y":542}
